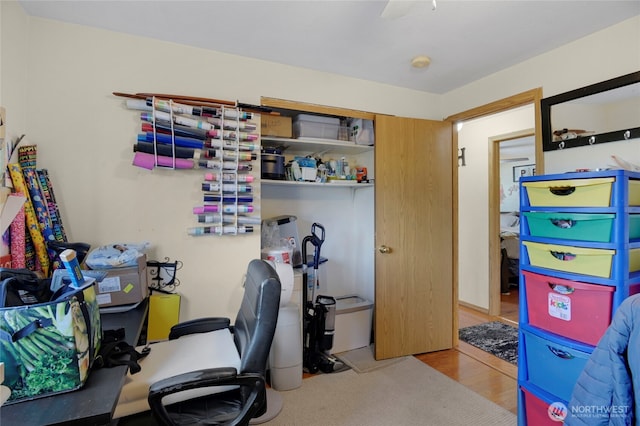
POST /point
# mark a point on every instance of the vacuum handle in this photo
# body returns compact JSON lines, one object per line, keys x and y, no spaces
{"x":317,"y":242}
{"x":315,"y":236}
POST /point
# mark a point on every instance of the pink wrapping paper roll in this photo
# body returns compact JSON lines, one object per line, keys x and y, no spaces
{"x":148,"y":161}
{"x":18,"y":247}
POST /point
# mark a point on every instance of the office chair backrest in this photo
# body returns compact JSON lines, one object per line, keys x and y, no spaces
{"x":255,"y":324}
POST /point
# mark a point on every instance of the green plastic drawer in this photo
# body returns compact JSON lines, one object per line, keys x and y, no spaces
{"x":571,"y":226}
{"x":578,"y":226}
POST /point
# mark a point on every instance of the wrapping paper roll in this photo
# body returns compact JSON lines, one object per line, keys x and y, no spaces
{"x":148,"y":161}
{"x":5,"y":241}
{"x":18,"y":243}
{"x":33,"y":226}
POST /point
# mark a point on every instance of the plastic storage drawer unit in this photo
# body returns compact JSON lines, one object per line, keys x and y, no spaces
{"x":577,"y":310}
{"x":570,"y":192}
{"x":578,"y":260}
{"x":553,"y":364}
{"x":543,"y":411}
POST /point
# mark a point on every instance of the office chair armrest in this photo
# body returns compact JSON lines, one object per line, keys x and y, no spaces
{"x":224,"y":376}
{"x":200,"y":325}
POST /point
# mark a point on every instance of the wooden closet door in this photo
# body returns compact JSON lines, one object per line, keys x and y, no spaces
{"x":414,"y":294}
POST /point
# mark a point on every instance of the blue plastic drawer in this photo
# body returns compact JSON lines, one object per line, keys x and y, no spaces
{"x":553,"y":364}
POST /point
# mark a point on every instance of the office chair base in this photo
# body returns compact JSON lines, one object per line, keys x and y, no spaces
{"x":274,"y":406}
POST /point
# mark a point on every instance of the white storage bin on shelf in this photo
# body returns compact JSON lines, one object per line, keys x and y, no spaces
{"x":315,"y":126}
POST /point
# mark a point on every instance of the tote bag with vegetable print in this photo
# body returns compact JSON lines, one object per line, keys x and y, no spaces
{"x":47,"y":347}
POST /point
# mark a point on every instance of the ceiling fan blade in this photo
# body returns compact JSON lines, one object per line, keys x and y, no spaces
{"x":398,"y":8}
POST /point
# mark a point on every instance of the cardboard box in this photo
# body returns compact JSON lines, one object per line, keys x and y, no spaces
{"x":124,"y":286}
{"x":275,"y":125}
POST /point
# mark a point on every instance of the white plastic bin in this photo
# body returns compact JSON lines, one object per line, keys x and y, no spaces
{"x":353,"y":323}
{"x":315,"y":126}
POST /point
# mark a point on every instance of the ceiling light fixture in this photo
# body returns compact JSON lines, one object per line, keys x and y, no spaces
{"x":421,"y":61}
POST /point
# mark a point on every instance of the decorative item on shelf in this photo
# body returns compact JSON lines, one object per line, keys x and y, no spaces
{"x":200,"y":133}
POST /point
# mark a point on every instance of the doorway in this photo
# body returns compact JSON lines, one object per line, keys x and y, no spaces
{"x":488,"y":245}
{"x":509,"y":155}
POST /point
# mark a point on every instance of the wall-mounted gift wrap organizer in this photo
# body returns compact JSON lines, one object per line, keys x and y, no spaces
{"x":180,"y":133}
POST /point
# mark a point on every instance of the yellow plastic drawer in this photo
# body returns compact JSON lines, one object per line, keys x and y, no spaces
{"x":634,"y":260}
{"x":634,"y":192}
{"x":578,"y":260}
{"x":570,"y":192}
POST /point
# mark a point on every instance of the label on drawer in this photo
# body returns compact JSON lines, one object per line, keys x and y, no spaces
{"x":560,"y":306}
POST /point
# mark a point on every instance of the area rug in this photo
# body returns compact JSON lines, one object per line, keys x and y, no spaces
{"x":362,"y":360}
{"x":495,"y":337}
{"x":408,"y":392}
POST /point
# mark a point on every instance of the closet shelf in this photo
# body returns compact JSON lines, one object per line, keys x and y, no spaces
{"x":306,"y":145}
{"x":353,"y":185}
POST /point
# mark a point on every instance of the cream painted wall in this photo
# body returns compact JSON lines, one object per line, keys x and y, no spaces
{"x":608,"y":53}
{"x":592,"y":157}
{"x":84,"y":137}
{"x":14,"y":45}
{"x":473,"y":200}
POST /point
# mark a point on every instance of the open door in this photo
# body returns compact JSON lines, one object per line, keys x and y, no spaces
{"x":414,"y":291}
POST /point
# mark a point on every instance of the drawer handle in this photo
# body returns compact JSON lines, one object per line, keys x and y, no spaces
{"x":560,"y":353}
{"x":562,"y":190}
{"x":562,"y":289}
{"x":563,"y":256}
{"x":563,"y":223}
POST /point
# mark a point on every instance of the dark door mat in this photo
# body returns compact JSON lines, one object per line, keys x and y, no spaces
{"x":495,"y":337}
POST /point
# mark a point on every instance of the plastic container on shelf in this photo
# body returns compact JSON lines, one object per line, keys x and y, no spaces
{"x":315,"y":126}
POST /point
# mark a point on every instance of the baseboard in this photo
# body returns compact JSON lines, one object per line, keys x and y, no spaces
{"x":474,"y":307}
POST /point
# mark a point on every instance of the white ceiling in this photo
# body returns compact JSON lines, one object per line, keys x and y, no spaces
{"x":466,"y":40}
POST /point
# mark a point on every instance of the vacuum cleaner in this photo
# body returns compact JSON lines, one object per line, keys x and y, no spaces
{"x":319,"y":315}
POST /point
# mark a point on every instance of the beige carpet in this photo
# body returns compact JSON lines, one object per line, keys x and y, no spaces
{"x":362,"y":360}
{"x":408,"y":392}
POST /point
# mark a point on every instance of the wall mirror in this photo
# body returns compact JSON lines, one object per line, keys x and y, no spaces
{"x":608,"y":111}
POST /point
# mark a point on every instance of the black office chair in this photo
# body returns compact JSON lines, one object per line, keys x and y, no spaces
{"x":245,"y":394}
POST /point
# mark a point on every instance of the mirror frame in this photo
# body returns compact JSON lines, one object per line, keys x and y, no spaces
{"x":619,"y":135}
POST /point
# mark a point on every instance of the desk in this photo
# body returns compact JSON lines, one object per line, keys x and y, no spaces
{"x":95,"y":402}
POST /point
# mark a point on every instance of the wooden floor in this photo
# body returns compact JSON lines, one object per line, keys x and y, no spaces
{"x":480,"y":371}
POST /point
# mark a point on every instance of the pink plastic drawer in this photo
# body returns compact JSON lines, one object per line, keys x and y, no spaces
{"x":573,"y":309}
{"x":541,"y":413}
